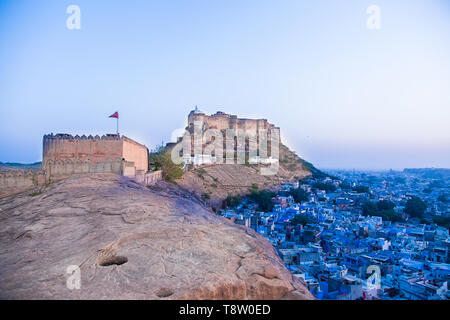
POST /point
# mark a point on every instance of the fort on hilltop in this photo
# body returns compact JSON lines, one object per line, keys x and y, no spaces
{"x":223,"y":121}
{"x":220,"y":125}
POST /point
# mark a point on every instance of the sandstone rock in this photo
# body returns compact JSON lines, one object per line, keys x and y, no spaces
{"x":132,"y":242}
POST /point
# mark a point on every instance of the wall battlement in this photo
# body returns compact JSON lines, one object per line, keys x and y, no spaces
{"x":65,"y":155}
{"x":63,"y":136}
{"x":15,"y":181}
{"x":223,"y":121}
{"x":246,"y":134}
{"x":14,"y":173}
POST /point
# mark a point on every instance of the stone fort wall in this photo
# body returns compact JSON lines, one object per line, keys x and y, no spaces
{"x":65,"y":155}
{"x":66,"y":147}
{"x":95,"y":149}
{"x":223,"y":121}
{"x":135,"y":152}
{"x":15,"y":181}
{"x":56,"y":169}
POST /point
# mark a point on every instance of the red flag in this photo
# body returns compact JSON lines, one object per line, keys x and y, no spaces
{"x":115,"y":115}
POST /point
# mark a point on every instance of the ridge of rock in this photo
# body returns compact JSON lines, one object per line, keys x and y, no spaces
{"x":132,"y":242}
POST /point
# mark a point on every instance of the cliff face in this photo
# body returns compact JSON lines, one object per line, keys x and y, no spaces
{"x":131,"y":242}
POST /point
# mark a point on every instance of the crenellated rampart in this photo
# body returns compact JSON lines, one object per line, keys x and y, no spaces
{"x":223,"y":121}
{"x":13,"y":181}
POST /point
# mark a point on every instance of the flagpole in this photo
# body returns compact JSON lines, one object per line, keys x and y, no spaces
{"x":116,"y":115}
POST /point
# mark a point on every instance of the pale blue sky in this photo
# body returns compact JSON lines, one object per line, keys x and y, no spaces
{"x":344,"y":96}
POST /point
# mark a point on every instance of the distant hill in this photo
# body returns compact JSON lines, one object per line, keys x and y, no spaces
{"x":435,"y":173}
{"x":20,"y":166}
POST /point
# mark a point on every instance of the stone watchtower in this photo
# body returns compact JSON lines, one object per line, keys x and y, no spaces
{"x":67,"y":154}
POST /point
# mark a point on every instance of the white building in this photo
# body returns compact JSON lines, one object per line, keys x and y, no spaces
{"x":199,"y":159}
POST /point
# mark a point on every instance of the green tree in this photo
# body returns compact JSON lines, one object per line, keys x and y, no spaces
{"x":443,"y":198}
{"x":206,"y":196}
{"x":389,"y":215}
{"x":253,"y":188}
{"x":161,"y":160}
{"x":369,"y":208}
{"x":300,"y":219}
{"x":415,"y":207}
{"x":328,"y":187}
{"x":385,"y":205}
{"x":299,"y":195}
{"x":383,"y":208}
{"x":263,"y":198}
{"x":231,"y":201}
{"x":442,"y":221}
{"x":362,"y":189}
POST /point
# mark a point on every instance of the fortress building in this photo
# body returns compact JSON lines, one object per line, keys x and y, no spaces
{"x":65,"y":149}
{"x":223,"y":121}
{"x":219,"y":125}
{"x":65,"y":155}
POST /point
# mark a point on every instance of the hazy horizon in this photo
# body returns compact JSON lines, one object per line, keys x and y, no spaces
{"x":344,"y":96}
{"x":323,"y":169}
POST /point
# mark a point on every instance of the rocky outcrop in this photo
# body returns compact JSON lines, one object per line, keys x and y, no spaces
{"x":132,"y":242}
